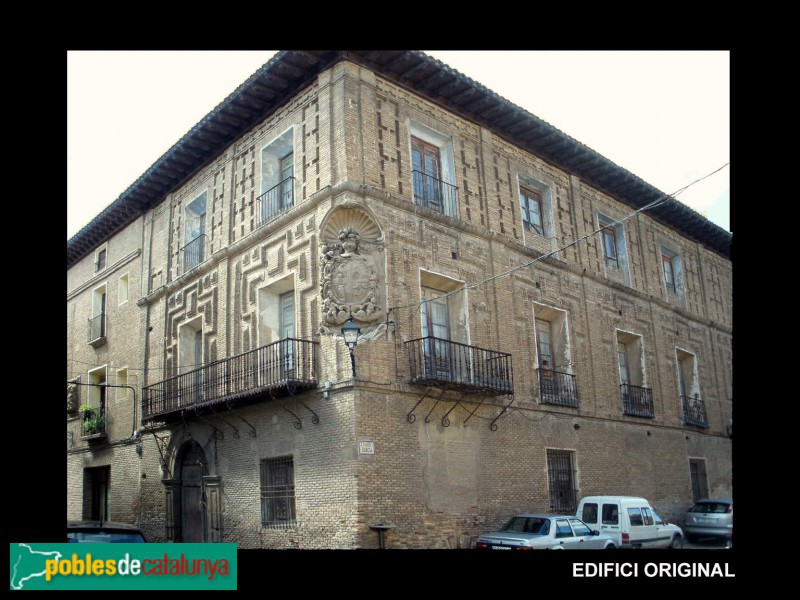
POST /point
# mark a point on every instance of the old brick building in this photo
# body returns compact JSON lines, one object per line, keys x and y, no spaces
{"x":211,"y":396}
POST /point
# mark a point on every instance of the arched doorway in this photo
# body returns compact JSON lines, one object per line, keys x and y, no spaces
{"x":193,"y":518}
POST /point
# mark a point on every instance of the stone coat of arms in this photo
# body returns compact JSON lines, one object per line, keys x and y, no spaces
{"x":352,"y":281}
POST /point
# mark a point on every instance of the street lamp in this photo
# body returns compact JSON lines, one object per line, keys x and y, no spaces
{"x":350,"y":333}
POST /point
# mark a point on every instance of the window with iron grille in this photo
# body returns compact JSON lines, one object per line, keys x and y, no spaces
{"x":277,"y":491}
{"x":561,"y":480}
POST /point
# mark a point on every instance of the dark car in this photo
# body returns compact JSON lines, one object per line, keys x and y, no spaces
{"x":104,"y":531}
{"x":710,"y":517}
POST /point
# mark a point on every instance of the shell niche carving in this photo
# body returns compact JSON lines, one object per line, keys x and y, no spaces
{"x":352,"y":265}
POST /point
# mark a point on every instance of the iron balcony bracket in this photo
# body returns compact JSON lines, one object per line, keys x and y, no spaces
{"x":473,"y":410}
{"x":215,"y":413}
{"x":315,"y":418}
{"x":411,"y":417}
{"x":445,"y":420}
{"x":428,"y":416}
{"x":252,"y":432}
{"x":161,"y":444}
{"x":493,"y":425}
{"x":218,"y":435}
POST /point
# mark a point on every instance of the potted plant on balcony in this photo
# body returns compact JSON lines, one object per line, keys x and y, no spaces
{"x":94,"y":421}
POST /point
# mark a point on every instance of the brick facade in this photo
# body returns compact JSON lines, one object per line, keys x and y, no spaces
{"x":439,"y":473}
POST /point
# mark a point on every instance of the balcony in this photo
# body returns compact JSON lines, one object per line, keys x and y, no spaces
{"x":282,"y":368}
{"x":637,"y":401}
{"x":441,"y":363}
{"x":694,"y":411}
{"x":274,"y":202}
{"x":557,"y":388}
{"x":97,"y":330}
{"x":435,"y":194}
{"x":192,"y":254}
{"x":93,"y":423}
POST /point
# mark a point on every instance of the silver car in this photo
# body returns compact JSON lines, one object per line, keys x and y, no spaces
{"x":710,"y":517}
{"x":544,"y":532}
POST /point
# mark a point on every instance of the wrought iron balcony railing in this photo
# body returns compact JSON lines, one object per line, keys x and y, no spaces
{"x":193,"y":253}
{"x":637,"y":401}
{"x":275,"y":201}
{"x":435,"y":194}
{"x":439,"y":362}
{"x":694,"y":411}
{"x":97,"y":328}
{"x":93,"y":422}
{"x":556,"y":387}
{"x":283,"y":367}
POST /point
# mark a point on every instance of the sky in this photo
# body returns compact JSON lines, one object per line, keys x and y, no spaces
{"x":662,"y":115}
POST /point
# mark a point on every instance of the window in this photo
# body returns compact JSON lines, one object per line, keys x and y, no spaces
{"x":579,"y":528}
{"x":194,"y":233}
{"x":544,"y":344}
{"x":426,"y":165}
{"x":615,"y":257}
{"x":531,"y":204}
{"x":287,"y":334}
{"x":436,"y":327}
{"x":563,"y":529}
{"x":589,"y":514}
{"x":432,"y":170}
{"x":93,"y":413}
{"x":610,"y":514}
{"x":444,"y":320}
{"x":556,"y":382}
{"x":277,"y":178}
{"x":100,"y":260}
{"x":97,"y":324}
{"x":276,"y":325}
{"x":672,"y":266}
{"x":122,"y":290}
{"x":277,"y":491}
{"x":561,"y":479}
{"x":635,"y":517}
{"x":637,"y":399}
{"x":647,"y":516}
{"x":97,"y":391}
{"x":610,"y":246}
{"x":630,"y":356}
{"x":669,"y":274}
{"x":624,"y":372}
{"x":692,"y":406}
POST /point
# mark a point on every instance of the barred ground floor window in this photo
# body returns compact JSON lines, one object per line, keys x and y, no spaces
{"x":277,"y":491}
{"x":561,"y":480}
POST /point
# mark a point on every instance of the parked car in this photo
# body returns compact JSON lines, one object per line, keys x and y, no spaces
{"x":103,"y":531}
{"x":710,"y":517}
{"x":544,"y":532}
{"x":630,"y":521}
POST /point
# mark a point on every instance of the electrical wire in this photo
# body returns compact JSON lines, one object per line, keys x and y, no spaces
{"x":664,"y":198}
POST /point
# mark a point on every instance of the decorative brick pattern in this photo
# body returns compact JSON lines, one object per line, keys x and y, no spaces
{"x":439,"y":486}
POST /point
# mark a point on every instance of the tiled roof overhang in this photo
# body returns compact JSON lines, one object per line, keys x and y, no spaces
{"x":288,"y":72}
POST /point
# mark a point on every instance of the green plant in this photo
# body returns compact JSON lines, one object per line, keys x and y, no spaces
{"x":94,"y":420}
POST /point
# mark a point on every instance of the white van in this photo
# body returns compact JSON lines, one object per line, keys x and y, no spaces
{"x":630,"y":520}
